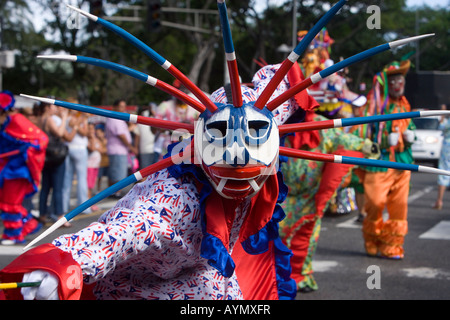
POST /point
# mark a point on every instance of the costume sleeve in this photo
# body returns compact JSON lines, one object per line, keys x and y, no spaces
{"x":340,"y":140}
{"x":156,"y":220}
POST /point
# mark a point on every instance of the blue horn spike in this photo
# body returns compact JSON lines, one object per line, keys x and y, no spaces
{"x":133,"y":73}
{"x":230,"y":54}
{"x":295,"y":54}
{"x":137,"y":176}
{"x":132,"y":118}
{"x":165,"y":64}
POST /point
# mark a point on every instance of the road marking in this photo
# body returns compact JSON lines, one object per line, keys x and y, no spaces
{"x":441,"y":231}
{"x":426,"y":273}
{"x":352,"y":223}
{"x":324,"y":265}
{"x":420,"y":194}
{"x":11,"y":250}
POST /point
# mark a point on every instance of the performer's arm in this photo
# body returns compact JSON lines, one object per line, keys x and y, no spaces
{"x":148,"y":220}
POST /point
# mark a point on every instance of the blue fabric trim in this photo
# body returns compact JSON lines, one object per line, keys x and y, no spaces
{"x":11,"y":217}
{"x":287,"y":288}
{"x":12,"y":233}
{"x":217,"y":255}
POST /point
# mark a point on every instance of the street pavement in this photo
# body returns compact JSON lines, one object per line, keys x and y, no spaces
{"x":341,"y":268}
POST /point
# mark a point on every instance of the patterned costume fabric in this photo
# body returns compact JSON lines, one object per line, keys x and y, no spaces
{"x":308,"y":198}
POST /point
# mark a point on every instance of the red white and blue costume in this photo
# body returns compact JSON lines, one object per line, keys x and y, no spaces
{"x":20,"y":173}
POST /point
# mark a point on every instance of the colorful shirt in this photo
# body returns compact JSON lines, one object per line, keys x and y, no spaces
{"x":115,"y":128}
{"x":379,"y":133}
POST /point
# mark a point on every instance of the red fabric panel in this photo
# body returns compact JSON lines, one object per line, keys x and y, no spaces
{"x":256,"y":274}
{"x":49,"y":258}
{"x":332,"y":176}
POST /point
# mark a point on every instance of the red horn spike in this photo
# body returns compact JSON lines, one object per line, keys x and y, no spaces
{"x":309,"y":155}
{"x":165,"y":124}
{"x":272,"y":105}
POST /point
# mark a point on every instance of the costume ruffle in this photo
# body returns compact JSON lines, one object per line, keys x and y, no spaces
{"x":18,"y":133}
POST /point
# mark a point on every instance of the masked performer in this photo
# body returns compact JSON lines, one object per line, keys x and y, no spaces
{"x":311,"y":187}
{"x":22,"y":151}
{"x":388,"y":187}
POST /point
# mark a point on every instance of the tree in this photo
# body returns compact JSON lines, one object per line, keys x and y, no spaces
{"x":256,"y":34}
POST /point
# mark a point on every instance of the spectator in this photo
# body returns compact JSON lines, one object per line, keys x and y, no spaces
{"x":94,"y":158}
{"x":444,"y":161}
{"x":133,"y":160}
{"x":119,"y":144}
{"x":104,"y":162}
{"x":53,"y":122}
{"x":146,"y":142}
{"x":76,"y":160}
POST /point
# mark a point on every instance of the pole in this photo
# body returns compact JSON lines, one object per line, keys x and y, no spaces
{"x":417,"y":43}
{"x":294,"y":23}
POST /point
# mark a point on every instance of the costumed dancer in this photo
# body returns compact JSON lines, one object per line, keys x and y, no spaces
{"x":388,"y":187}
{"x":22,"y":151}
{"x":175,"y":235}
{"x":334,"y":97}
{"x":312,"y":185}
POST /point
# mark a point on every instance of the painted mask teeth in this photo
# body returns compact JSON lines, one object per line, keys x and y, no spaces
{"x":237,"y":185}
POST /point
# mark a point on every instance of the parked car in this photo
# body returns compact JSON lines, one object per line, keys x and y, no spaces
{"x":428,"y":144}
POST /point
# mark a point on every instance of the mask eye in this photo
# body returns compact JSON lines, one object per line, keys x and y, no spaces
{"x":258,"y":128}
{"x":216,"y":130}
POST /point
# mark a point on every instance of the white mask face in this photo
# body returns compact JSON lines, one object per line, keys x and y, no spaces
{"x":237,"y":148}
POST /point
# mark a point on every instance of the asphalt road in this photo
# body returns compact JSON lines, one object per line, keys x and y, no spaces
{"x":343,"y":271}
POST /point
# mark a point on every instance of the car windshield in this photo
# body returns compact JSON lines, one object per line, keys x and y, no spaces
{"x":426,"y":123}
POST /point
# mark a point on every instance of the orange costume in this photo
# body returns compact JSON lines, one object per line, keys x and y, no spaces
{"x":388,"y":187}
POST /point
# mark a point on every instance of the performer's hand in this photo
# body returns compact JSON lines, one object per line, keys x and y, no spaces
{"x":48,"y":290}
{"x":409,"y":136}
{"x":393,"y":138}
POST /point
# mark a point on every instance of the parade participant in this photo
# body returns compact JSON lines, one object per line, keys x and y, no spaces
{"x":173,"y":235}
{"x":444,"y":161}
{"x":311,"y":188}
{"x":388,"y":187}
{"x":22,"y":150}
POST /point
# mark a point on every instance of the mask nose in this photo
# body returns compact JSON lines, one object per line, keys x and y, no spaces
{"x":236,"y":155}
